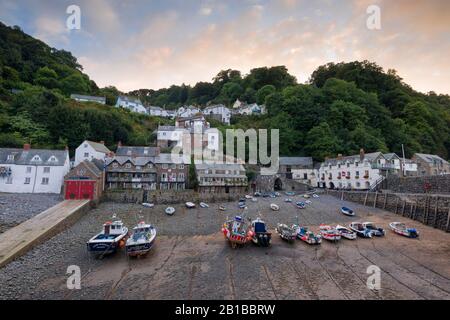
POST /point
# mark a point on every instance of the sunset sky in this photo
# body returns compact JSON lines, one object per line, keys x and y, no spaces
{"x":134,"y":44}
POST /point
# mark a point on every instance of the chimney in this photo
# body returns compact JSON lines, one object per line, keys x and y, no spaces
{"x":119,"y":143}
{"x":157,"y":151}
{"x":27,"y":146}
{"x":339,"y":156}
{"x":102,"y":142}
{"x":66,"y":148}
{"x":361,"y":154}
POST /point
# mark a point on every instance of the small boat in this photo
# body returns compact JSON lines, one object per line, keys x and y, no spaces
{"x":401,"y":229}
{"x":204,"y":205}
{"x":315,"y":195}
{"x":290,"y":193}
{"x":141,"y":240}
{"x":242,"y":204}
{"x":265,"y":195}
{"x":346,"y":232}
{"x":261,"y":237}
{"x":148,"y":205}
{"x":376,"y":231}
{"x":308,"y":201}
{"x":288,"y":200}
{"x":254,"y":199}
{"x":190,"y":205}
{"x":237,"y":231}
{"x":257,"y":194}
{"x":222,"y":208}
{"x":329,"y":233}
{"x":301,"y":205}
{"x":307,"y":236}
{"x":170,"y":211}
{"x":286,"y":233}
{"x":277,"y":194}
{"x":272,"y":195}
{"x":347,"y":211}
{"x":274,"y":207}
{"x":306,"y":196}
{"x":360,"y":230}
{"x":247,"y":196}
{"x":242,"y":200}
{"x":112,"y":237}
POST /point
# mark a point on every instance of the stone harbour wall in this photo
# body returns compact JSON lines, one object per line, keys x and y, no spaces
{"x":427,"y":184}
{"x":432,"y":210}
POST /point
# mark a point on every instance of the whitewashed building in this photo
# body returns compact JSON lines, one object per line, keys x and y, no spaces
{"x":89,"y":150}
{"x":251,"y":109}
{"x":161,"y":112}
{"x":219,"y":112}
{"x":83,"y":98}
{"x":33,"y":170}
{"x":133,"y":104}
{"x":187,"y":111}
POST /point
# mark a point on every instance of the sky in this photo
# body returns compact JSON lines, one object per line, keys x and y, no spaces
{"x":151,"y":44}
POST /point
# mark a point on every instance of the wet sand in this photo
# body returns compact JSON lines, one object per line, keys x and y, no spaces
{"x":192,"y":260}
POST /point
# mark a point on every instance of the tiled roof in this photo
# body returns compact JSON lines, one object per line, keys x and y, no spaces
{"x":137,"y":151}
{"x":430,"y":157}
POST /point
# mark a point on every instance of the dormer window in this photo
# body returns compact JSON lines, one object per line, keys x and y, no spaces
{"x":115,"y":165}
{"x":129,"y":152}
{"x":36,"y":158}
{"x":52,"y":159}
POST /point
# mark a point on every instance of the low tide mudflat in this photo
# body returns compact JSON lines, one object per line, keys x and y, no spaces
{"x":192,"y":260}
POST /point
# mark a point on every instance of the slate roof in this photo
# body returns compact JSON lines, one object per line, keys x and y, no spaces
{"x":137,"y":151}
{"x":296,"y":161}
{"x":430,"y":158}
{"x":130,"y":99}
{"x":25,"y":157}
{"x":351,"y":159}
{"x":99,"y":147}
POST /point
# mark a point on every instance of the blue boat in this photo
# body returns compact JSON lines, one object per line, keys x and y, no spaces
{"x":141,"y":240}
{"x":301,"y":205}
{"x":112,"y":237}
{"x":347,"y":211}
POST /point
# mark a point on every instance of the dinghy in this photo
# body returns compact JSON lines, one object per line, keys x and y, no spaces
{"x":346,"y":232}
{"x":315,"y":195}
{"x":237,"y":231}
{"x":242,"y":204}
{"x":401,"y":229}
{"x":222,"y":208}
{"x":360,"y":230}
{"x":301,"y":205}
{"x":274,"y":207}
{"x":247,"y":196}
{"x":329,"y":233}
{"x":286,"y":233}
{"x":204,"y":205}
{"x":112,"y":237}
{"x":376,"y":231}
{"x":307,"y":236}
{"x":141,"y":240}
{"x":261,"y":237}
{"x":254,"y":199}
{"x":306,"y":196}
{"x":288,"y":200}
{"x":308,"y":201}
{"x":170,"y":211}
{"x":290,"y":193}
{"x":148,"y":205}
{"x":190,"y":205}
{"x":347,"y":211}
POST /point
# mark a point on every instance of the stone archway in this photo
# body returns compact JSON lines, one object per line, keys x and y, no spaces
{"x":332,"y":185}
{"x":278,"y":185}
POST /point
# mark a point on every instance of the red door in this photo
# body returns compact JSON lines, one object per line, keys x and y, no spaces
{"x":79,"y":189}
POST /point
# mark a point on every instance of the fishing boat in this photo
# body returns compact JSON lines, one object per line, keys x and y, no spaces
{"x":261,"y":237}
{"x":306,"y":196}
{"x":301,"y":205}
{"x":307,"y":236}
{"x":148,"y":205}
{"x":222,"y":208}
{"x":286,"y":233}
{"x":347,"y":211}
{"x":376,"y":231}
{"x":315,"y":195}
{"x":203,"y":205}
{"x":112,"y":237}
{"x":360,"y":230}
{"x":170,"y":211}
{"x":329,"y":233}
{"x":288,"y":200}
{"x":346,"y":232}
{"x":190,"y":205}
{"x":141,"y":240}
{"x":274,"y":207}
{"x":401,"y":229}
{"x":237,"y":231}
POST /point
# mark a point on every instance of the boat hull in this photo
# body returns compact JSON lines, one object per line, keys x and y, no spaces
{"x":262,"y":239}
{"x":139,"y":249}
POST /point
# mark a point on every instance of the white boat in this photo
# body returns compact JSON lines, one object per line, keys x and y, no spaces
{"x":360,"y":229}
{"x":347,"y":211}
{"x":247,"y":196}
{"x":306,"y":196}
{"x":190,"y":205}
{"x":222,"y":208}
{"x":254,"y":199}
{"x":141,"y":240}
{"x":112,"y":237}
{"x":315,"y":195}
{"x":170,"y":211}
{"x":274,"y":207}
{"x":376,"y":231}
{"x":148,"y":205}
{"x":204,"y":205}
{"x":288,"y":200}
{"x":329,"y":233}
{"x":346,"y":232}
{"x":401,"y":229}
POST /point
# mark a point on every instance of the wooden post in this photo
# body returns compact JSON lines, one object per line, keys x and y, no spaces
{"x":385,"y":200}
{"x":403,"y":209}
{"x":427,"y":208}
{"x":375,"y":202}
{"x":415,"y":209}
{"x":396,"y":205}
{"x":448,"y":220}
{"x":435,"y":211}
{"x":411,"y":210}
{"x":342,"y":195}
{"x":365,"y":199}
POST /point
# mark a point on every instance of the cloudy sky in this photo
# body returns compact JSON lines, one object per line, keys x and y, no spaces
{"x":152,"y":44}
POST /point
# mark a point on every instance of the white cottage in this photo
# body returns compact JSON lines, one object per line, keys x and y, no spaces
{"x":134,"y":104}
{"x":219,"y":112}
{"x":89,"y":150}
{"x":33,"y":170}
{"x":187,"y":111}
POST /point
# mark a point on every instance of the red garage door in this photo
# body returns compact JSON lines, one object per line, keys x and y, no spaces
{"x":79,"y":189}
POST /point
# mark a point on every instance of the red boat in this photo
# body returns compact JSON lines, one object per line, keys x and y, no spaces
{"x":237,"y":231}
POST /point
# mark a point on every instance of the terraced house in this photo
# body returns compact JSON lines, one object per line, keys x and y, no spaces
{"x":221,"y":178}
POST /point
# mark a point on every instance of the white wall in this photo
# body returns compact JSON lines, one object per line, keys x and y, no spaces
{"x":92,"y":153}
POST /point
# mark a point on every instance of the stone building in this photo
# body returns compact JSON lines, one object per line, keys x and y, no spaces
{"x":221,"y":178}
{"x":430,"y":164}
{"x":85,"y":181}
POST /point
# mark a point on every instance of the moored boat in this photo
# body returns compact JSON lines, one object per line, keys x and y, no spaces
{"x":203,"y":205}
{"x":112,"y":237}
{"x":286,"y":233}
{"x":346,"y":232}
{"x":141,"y":240}
{"x":170,"y":211}
{"x":222,"y":208}
{"x":301,"y":205}
{"x":329,"y":233}
{"x":274,"y":207}
{"x":315,"y":195}
{"x":261,"y":236}
{"x":237,"y":231}
{"x":190,"y":205}
{"x":288,"y":200}
{"x":401,"y":229}
{"x":347,"y":211}
{"x":247,"y":196}
{"x":307,"y":236}
{"x":148,"y":205}
{"x":360,"y":230}
{"x":376,"y":231}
